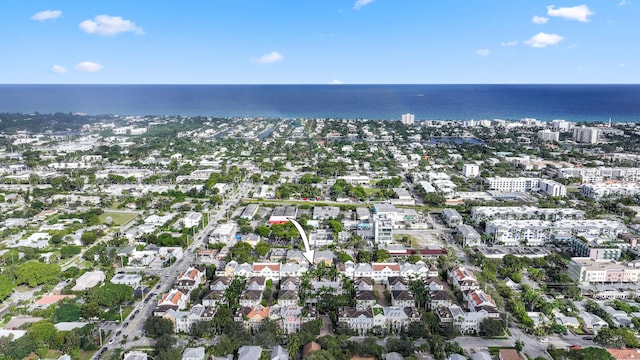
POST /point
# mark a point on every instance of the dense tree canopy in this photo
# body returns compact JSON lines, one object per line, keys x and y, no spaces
{"x":34,"y":273}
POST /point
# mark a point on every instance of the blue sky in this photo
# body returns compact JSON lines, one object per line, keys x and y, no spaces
{"x":319,"y":41}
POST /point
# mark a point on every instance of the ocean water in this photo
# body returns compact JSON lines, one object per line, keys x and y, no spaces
{"x":387,"y":102}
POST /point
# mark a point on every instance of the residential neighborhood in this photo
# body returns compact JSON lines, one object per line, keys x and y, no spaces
{"x":159,"y":237}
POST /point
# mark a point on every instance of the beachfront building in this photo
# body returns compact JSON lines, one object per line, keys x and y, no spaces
{"x":587,"y":135}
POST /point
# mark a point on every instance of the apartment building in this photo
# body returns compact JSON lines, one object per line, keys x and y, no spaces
{"x":587,"y":271}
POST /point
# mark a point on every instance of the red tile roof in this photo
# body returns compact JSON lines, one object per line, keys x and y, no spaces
{"x":52,"y":299}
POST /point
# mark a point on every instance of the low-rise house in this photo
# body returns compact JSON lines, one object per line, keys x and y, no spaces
{"x":479,"y":300}
{"x":191,"y":278}
{"x":133,"y":280}
{"x":365,"y":299}
{"x":267,"y":270}
{"x":402,"y":298}
{"x":398,"y":318}
{"x":463,"y":278}
{"x":538,"y":318}
{"x":256,"y":283}
{"x":288,"y":297}
{"x":89,"y":280}
{"x":567,"y":321}
{"x":135,"y":355}
{"x":279,"y":353}
{"x":254,"y":316}
{"x":184,"y":320}
{"x":434,"y":284}
{"x":250,"y":298}
{"x":359,"y":320}
{"x":381,"y":271}
{"x":294,"y":269}
{"x":290,"y":318}
{"x":323,"y":256}
{"x":249,"y":353}
{"x":173,"y":300}
{"x":214,"y":298}
{"x":592,"y":321}
{"x":194,"y":353}
{"x":439,"y":299}
{"x":466,"y":322}
{"x":509,"y":354}
{"x":397,"y":283}
{"x":220,"y":283}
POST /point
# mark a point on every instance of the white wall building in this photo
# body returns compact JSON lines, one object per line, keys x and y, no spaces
{"x":548,"y":135}
{"x":408,"y":119}
{"x":470,"y":170}
{"x":587,"y":135}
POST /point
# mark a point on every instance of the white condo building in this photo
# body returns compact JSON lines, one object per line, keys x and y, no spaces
{"x":600,"y":191}
{"x":521,"y":184}
{"x":586,"y":271}
{"x":470,"y":170}
{"x":562,"y":125}
{"x":486,"y":213}
{"x":587,"y":135}
{"x":539,"y":232}
{"x":548,"y":135}
{"x":408,"y":119}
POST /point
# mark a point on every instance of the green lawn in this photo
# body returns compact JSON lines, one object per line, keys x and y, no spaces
{"x":371,"y":190}
{"x":118,"y":217}
{"x":494,"y":350}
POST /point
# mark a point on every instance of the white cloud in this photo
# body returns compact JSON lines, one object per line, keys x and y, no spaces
{"x":509,"y":43}
{"x":109,"y":25}
{"x":58,"y":69}
{"x":361,"y":3}
{"x":270,"y":58}
{"x":46,"y":15}
{"x":542,"y":40}
{"x":621,"y":65}
{"x":624,"y":2}
{"x":88,"y":66}
{"x":579,"y":13}
{"x":539,"y":20}
{"x":482,"y":52}
{"x":336,"y":82}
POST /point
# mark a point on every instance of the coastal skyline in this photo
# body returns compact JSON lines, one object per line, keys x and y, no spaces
{"x":328,"y":42}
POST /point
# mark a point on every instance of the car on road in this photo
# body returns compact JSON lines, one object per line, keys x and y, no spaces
{"x":137,"y":311}
{"x":158,"y":286}
{"x":544,"y":340}
{"x":587,"y":338}
{"x":126,"y":324}
{"x":111,"y":341}
{"x":118,"y":333}
{"x":132,"y":317}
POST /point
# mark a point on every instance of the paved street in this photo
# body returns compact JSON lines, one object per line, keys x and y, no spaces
{"x":135,"y":326}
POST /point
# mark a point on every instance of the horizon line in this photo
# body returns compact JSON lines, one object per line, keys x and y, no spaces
{"x":314,"y":84}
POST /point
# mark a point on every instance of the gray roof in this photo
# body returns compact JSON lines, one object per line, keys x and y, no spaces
{"x":393,"y":356}
{"x":451,"y":213}
{"x":467,"y":231}
{"x":481,"y":355}
{"x":279,"y":353}
{"x":249,"y":353}
{"x":193,"y":353}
